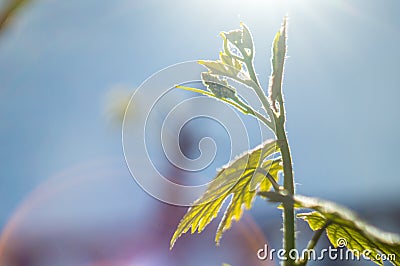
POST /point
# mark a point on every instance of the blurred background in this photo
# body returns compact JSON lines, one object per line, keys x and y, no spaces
{"x":68,"y":68}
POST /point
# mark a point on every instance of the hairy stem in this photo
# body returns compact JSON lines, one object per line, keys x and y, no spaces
{"x":289,"y":221}
{"x":260,"y":93}
{"x":288,"y":212}
{"x":275,"y":185}
{"x":289,"y":241}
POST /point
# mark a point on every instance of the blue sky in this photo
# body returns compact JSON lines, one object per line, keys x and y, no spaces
{"x":59,"y":59}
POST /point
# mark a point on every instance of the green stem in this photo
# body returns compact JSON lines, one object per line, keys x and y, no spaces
{"x":275,"y":185}
{"x":289,"y":222}
{"x":260,"y":93}
{"x":288,"y":183}
{"x":288,"y":212}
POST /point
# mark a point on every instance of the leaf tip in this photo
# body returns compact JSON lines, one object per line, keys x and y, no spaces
{"x":173,"y":239}
{"x":171,"y":244}
{"x":244,"y":26}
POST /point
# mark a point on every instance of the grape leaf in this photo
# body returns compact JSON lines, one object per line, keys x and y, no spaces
{"x":344,"y":226}
{"x":277,"y":62}
{"x":242,"y":180}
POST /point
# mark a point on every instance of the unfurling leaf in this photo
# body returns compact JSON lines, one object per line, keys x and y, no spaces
{"x":345,"y":228}
{"x":236,"y":57}
{"x":219,"y":68}
{"x":241,"y":179}
{"x":235,"y":63}
{"x":277,"y":62}
{"x":241,"y":42}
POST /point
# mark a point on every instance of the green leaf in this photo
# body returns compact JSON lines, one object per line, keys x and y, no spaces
{"x":220,"y":88}
{"x":219,"y":68}
{"x":345,"y":227}
{"x":241,"y":106}
{"x":277,"y":62}
{"x":238,"y":103}
{"x":242,"y":180}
